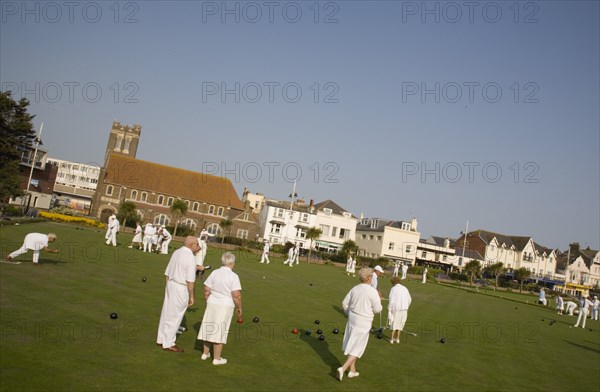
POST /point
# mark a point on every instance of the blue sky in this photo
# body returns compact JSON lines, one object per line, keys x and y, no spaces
{"x":488,"y":114}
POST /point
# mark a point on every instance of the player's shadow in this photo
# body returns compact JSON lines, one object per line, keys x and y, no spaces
{"x":51,"y":261}
{"x":583,"y":347}
{"x":321,"y":347}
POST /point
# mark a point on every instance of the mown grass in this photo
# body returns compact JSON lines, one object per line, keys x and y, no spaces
{"x":57,"y":333}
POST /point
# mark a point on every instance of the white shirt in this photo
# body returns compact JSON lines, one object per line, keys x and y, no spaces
{"x":266,"y":248}
{"x":182,"y":266}
{"x":362,"y":300}
{"x":166,"y":234}
{"x":36,"y":241}
{"x":221,"y":283}
{"x":400,"y":298}
{"x":138,"y":229}
{"x":149,"y":230}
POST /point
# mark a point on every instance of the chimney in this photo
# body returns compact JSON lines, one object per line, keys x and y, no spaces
{"x":574,"y":250}
{"x":312,"y":206}
{"x":413,"y":224}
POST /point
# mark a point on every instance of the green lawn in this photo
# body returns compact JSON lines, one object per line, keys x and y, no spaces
{"x":57,"y":333}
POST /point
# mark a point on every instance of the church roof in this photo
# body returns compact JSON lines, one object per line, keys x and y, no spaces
{"x":171,"y":181}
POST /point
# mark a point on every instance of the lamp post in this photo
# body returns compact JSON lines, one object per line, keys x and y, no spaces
{"x":293,"y":197}
{"x":38,"y":141}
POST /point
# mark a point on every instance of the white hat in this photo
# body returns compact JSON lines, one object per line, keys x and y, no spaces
{"x":378,"y":268}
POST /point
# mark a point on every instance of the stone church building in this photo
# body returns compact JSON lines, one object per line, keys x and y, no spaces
{"x":154,"y":187}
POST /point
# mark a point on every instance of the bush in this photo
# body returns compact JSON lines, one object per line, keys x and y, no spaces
{"x":10,"y":210}
{"x":458,"y":276}
{"x":182,"y":231}
{"x":71,"y":219}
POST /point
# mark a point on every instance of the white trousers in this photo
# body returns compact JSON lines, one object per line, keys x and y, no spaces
{"x":112,"y":238}
{"x":583,"y":313}
{"x":147,"y":241}
{"x":265,"y":256}
{"x":165,"y":247}
{"x":594,"y":315}
{"x":23,"y":249}
{"x":173,"y":310}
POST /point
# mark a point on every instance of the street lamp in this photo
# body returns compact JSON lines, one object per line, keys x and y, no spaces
{"x":38,"y":141}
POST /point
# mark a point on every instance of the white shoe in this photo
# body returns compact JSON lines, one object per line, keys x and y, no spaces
{"x":221,"y":361}
{"x":204,"y":357}
{"x":130,"y":247}
{"x":392,"y":341}
{"x":353,"y":374}
{"x":340,"y":373}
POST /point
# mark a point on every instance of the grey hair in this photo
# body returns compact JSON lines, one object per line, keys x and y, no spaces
{"x":52,"y":236}
{"x":364,"y":274}
{"x":228,"y":259}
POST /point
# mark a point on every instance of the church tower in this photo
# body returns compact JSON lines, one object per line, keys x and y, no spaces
{"x":123,"y":140}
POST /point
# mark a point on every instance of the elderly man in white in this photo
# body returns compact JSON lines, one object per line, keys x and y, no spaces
{"x":400,"y":301}
{"x":149,"y":232}
{"x":180,"y":276}
{"x":424,"y":280}
{"x":166,"y":240}
{"x":223,"y":293}
{"x":290,"y":258}
{"x":595,"y":308}
{"x":396,"y":269}
{"x":360,"y":305}
{"x":114,"y":226}
{"x":377,"y":272}
{"x":111,"y":218}
{"x":584,"y":310}
{"x":35,"y":242}
{"x":404,"y":270}
{"x":570,"y":307}
{"x":265,"y":253}
{"x":203,"y":238}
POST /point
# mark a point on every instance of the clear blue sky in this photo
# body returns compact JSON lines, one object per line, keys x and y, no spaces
{"x":402,"y":114}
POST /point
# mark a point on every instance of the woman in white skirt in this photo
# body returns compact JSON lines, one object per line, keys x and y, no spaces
{"x":360,"y":304}
{"x":222,"y":293}
{"x":137,"y":237}
{"x":398,"y":309}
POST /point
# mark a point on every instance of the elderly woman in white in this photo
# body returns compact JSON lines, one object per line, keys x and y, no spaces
{"x":360,"y":304}
{"x":222,"y":292}
{"x":400,"y":300}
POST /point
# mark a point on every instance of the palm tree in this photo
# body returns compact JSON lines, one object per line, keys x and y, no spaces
{"x":225,"y":225}
{"x":473,"y":268}
{"x":348,"y":247}
{"x":178,"y":209}
{"x":128,"y":211}
{"x":496,"y":269}
{"x":312,"y":233}
{"x":521,"y":275}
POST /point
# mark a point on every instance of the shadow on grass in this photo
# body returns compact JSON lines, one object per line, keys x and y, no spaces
{"x":584,"y":347}
{"x":321,"y":347}
{"x":51,"y":261}
{"x":339,"y":309}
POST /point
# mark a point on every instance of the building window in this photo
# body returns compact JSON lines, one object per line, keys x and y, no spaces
{"x":347,"y":215}
{"x":344,"y":233}
{"x":134,"y":195}
{"x":276,"y":228}
{"x":334,"y":231}
{"x":246,"y":216}
{"x":109,"y":190}
{"x":220,"y":211}
{"x":169,"y":202}
{"x":405,"y":226}
{"x":279,"y":213}
{"x":460,"y":261}
{"x":161,"y":219}
{"x":211,"y":210}
{"x":243,"y":234}
{"x":327,"y":211}
{"x":187,"y":204}
{"x":445,"y":258}
{"x":144,"y":197}
{"x":304,"y":218}
{"x":324,"y":229}
{"x":363,"y":236}
{"x":300,"y":232}
{"x":378,"y":238}
{"x":408,"y":248}
{"x":423,"y":255}
{"x":161,"y":200}
{"x":213,"y":228}
{"x":371,"y":237}
{"x":189,"y":223}
{"x":391,"y":246}
{"x":195,"y":206}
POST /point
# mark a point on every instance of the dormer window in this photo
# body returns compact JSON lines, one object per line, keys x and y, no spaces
{"x":327,"y":211}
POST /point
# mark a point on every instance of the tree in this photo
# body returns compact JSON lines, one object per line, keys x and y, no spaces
{"x":16,"y":130}
{"x":473,"y":269}
{"x":178,"y":209}
{"x":521,"y":275}
{"x":128,"y":212}
{"x":348,"y":247}
{"x":496,"y":270}
{"x":225,"y":225}
{"x":312,"y":233}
